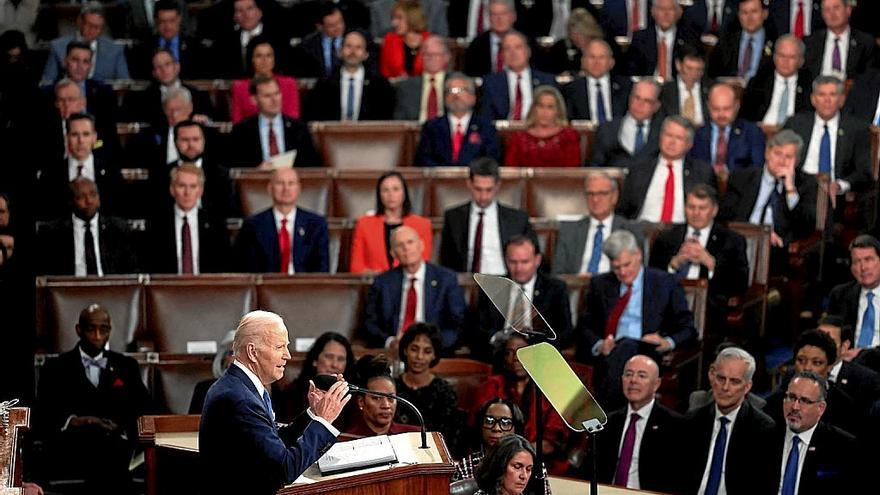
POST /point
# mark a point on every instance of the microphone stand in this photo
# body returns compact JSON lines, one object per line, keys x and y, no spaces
{"x":404,"y":401}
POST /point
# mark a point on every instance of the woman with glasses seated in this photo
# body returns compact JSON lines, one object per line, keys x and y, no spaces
{"x":507,"y":469}
{"x":497,"y":418}
{"x":376,"y":413}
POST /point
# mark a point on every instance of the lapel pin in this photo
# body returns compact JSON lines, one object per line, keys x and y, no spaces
{"x":302,"y":231}
{"x":844,"y":381}
{"x":686,"y":172}
{"x":655,"y":427}
{"x":366,"y":82}
{"x":433,"y":283}
{"x":737,"y":131}
{"x":840,"y":132}
{"x":537,"y":293}
{"x":799,"y":90}
{"x":811,"y":449}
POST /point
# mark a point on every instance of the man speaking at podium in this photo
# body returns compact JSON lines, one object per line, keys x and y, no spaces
{"x":239,"y":442}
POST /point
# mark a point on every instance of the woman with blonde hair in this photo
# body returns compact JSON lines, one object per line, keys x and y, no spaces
{"x":565,"y":55}
{"x":400,"y":55}
{"x":548,"y":140}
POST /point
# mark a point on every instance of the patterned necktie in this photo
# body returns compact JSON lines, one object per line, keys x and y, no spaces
{"x":89,"y":251}
{"x":661,"y":58}
{"x":746,"y":65}
{"x":720,"y":152}
{"x":517,"y":100}
{"x":457,"y":141}
{"x":601,"y":116}
{"x":349,"y":102}
{"x":866,"y":334}
{"x":799,"y":21}
{"x":640,"y":137}
{"x":835,"y":57}
{"x":409,"y":313}
{"x":273,"y":140}
{"x":478,"y":243}
{"x":617,"y":311}
{"x":825,"y":152}
{"x":186,"y":258}
{"x":431,"y":111}
{"x":782,"y":111}
{"x":284,"y":247}
{"x":668,"y":195}
{"x":624,"y":461}
{"x":688,"y":109}
{"x":596,"y":255}
{"x":789,"y":479}
{"x":715,"y":469}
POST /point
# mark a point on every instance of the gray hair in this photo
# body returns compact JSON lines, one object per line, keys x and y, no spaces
{"x":601,"y":174}
{"x":92,"y":8}
{"x":802,"y":49}
{"x":618,"y":242}
{"x":254,"y":327}
{"x":653,"y":82}
{"x":784,"y":137}
{"x":736,"y":353}
{"x":507,"y":3}
{"x":64,"y":82}
{"x":827,"y":79}
{"x":678,"y":119}
{"x":438,"y":39}
{"x":813,"y":376}
{"x":175,"y":93}
{"x":460,"y":76}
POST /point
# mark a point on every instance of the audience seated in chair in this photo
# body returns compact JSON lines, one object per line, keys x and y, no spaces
{"x":186,"y":51}
{"x":753,"y":37}
{"x":318,"y":54}
{"x":853,"y":378}
{"x":68,"y":99}
{"x":633,"y":136}
{"x":484,"y":54}
{"x":597,"y":96}
{"x":507,"y":467}
{"x":413,"y":101}
{"x":855,"y":302}
{"x":855,"y":49}
{"x":229,"y":47}
{"x":548,"y":140}
{"x":377,"y":413}
{"x":262,"y":62}
{"x":652,"y":49}
{"x":109,"y":58}
{"x":400,"y":55}
{"x":687,"y":92}
{"x":766,"y":99}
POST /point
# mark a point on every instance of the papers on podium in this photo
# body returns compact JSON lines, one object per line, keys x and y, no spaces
{"x":357,"y":454}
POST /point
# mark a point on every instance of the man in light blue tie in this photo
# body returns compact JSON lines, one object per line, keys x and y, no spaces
{"x":856,"y":302}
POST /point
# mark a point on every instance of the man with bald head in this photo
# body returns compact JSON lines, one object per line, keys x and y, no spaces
{"x":639,"y":450}
{"x":89,"y":399}
{"x":284,"y":238}
{"x":597,"y":96}
{"x":238,"y":433}
{"x":414,"y":291}
{"x":421,"y":97}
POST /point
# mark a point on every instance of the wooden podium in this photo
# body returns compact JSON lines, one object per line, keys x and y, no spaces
{"x":13,"y":421}
{"x":171,"y":445}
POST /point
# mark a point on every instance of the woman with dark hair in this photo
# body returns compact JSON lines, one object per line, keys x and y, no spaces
{"x":400,"y":55}
{"x":376,"y":413}
{"x":419,"y":351}
{"x":330,"y":354}
{"x":262,"y":62}
{"x":371,"y":242}
{"x":507,"y":468}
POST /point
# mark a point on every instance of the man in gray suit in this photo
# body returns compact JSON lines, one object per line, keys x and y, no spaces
{"x":415,"y":100}
{"x":579,"y":244}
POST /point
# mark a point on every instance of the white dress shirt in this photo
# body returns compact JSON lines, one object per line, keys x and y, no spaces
{"x":454,"y":122}
{"x":863,"y":305}
{"x":722,"y":487}
{"x":669,"y":36}
{"x":277,"y":124}
{"x":714,"y":8}
{"x":604,"y":262}
{"x":79,"y":251}
{"x":628,"y":133}
{"x":694,"y":270}
{"x":171,"y":147}
{"x":494,"y":48}
{"x":644,"y":412}
{"x":760,"y":215}
{"x":779,"y":84}
{"x":492,"y":256}
{"x":439,"y":81}
{"x":696,"y":94}
{"x":246,"y":36}
{"x":808,"y":16}
{"x":806,"y":437}
{"x":827,"y":55}
{"x":291,"y":222}
{"x":358,"y":77}
{"x":192,"y":219}
{"x":420,"y":296}
{"x":525,"y":86}
{"x":653,"y":206}
{"x":811,"y":161}
{"x":643,"y":13}
{"x":605,"y":83}
{"x":88,"y":170}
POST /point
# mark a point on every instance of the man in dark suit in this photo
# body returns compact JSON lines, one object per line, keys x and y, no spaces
{"x":687,"y":92}
{"x":496,"y":101}
{"x":283,"y":238}
{"x":238,"y":433}
{"x":863,"y":100}
{"x":781,"y":90}
{"x":855,"y":302}
{"x":853,"y":378}
{"x":830,"y":463}
{"x":839,"y":50}
{"x":711,"y":16}
{"x":318,"y":54}
{"x":414,"y":101}
{"x":85,"y":243}
{"x":728,"y":442}
{"x":728,"y":143}
{"x":475,"y":233}
{"x":393,"y":300}
{"x":702,"y":249}
{"x":635,"y":135}
{"x":484,"y":54}
{"x":597,"y":96}
{"x":366,"y":95}
{"x":657,"y":440}
{"x":140,"y":17}
{"x":652,"y":49}
{"x":258,"y":139}
{"x":826,"y":130}
{"x":185,"y":51}
{"x":66,"y":100}
{"x":655,"y":187}
{"x":229,"y":48}
{"x":625,"y":17}
{"x":459,"y":137}
{"x":89,"y":400}
{"x":798,"y":19}
{"x":741,"y":52}
{"x":548,"y":294}
{"x":579,"y":244}
{"x":631,"y":310}
{"x":107,"y":60}
{"x":100,"y":98}
{"x":186,"y":239}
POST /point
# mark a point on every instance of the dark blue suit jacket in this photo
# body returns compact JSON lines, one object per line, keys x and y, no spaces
{"x":237,"y":436}
{"x":435,"y":144}
{"x":781,"y":14}
{"x":745,"y":146}
{"x":642,"y":53}
{"x":257,"y":243}
{"x":444,"y":305}
{"x":615,"y":18}
{"x":495,"y":100}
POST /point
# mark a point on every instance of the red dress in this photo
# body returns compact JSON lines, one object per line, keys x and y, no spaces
{"x":560,"y":150}
{"x":392,"y":61}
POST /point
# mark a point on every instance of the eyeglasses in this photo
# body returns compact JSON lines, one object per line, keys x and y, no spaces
{"x":599,"y":194}
{"x":456,"y":91}
{"x":504,"y":423}
{"x":800,"y":400}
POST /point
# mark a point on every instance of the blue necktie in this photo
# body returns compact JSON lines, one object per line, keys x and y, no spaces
{"x":789,"y":479}
{"x":600,"y":104}
{"x":825,"y":153}
{"x":640,"y":137}
{"x":268,"y":402}
{"x":782,"y":111}
{"x":714,"y":480}
{"x":866,"y":336}
{"x":327,"y":46}
{"x":349,"y":110}
{"x":596,"y":255}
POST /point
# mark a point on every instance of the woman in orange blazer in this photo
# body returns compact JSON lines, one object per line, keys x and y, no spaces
{"x":370,"y":251}
{"x":261,"y":55}
{"x":401,"y":48}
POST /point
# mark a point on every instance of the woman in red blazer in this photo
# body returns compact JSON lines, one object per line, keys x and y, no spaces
{"x":370,"y":246}
{"x":401,"y":49}
{"x":261,"y":53}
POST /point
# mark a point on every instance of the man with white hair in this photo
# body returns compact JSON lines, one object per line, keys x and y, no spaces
{"x":238,"y":434}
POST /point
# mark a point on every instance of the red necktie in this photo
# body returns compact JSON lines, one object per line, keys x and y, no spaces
{"x":517,"y":100}
{"x":480,"y":20}
{"x":799,"y":21}
{"x":409,"y":314}
{"x":661,"y":58}
{"x":624,"y":460}
{"x":668,"y":195}
{"x":478,"y":244}
{"x":273,"y":141}
{"x":432,"y":101}
{"x":284,"y":246}
{"x":499,"y":59}
{"x":186,"y":259}
{"x":636,"y":17}
{"x":720,"y":152}
{"x":714,"y":25}
{"x":457,"y":139}
{"x":617,"y":312}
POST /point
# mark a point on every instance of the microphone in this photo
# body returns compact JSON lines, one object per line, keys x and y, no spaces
{"x":324,"y":382}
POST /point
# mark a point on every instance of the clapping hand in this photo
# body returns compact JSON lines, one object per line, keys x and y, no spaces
{"x":329,"y":404}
